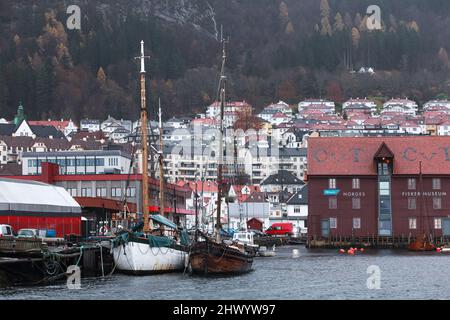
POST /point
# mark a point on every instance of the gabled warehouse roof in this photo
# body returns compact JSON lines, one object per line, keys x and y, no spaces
{"x":23,"y":197}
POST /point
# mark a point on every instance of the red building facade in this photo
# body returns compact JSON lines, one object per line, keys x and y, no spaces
{"x":102,"y":197}
{"x":379,"y":187}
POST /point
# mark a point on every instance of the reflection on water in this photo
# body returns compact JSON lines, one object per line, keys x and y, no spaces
{"x":317,"y":274}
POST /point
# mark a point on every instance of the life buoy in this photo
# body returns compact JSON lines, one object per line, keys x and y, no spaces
{"x":104,"y":230}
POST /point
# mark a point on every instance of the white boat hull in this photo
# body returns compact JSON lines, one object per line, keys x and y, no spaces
{"x":140,"y":258}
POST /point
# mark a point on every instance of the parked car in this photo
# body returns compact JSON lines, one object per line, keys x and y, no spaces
{"x":281,"y":229}
{"x":6,"y":231}
{"x":257,"y":233}
{"x":28,"y":233}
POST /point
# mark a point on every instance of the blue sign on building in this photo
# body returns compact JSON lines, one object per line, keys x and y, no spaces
{"x":331,"y":192}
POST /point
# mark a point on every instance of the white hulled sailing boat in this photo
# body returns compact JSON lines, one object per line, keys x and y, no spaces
{"x":150,"y":250}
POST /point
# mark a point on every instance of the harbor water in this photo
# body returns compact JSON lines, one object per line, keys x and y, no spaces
{"x":315,"y":274}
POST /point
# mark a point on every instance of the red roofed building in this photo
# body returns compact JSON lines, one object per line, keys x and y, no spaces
{"x":65,"y":126}
{"x":379,"y":187}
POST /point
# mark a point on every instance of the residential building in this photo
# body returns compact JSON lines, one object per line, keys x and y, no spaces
{"x":282,"y":181}
{"x":78,"y":162}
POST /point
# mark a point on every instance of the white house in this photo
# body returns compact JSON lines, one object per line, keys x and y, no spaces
{"x":297,"y":209}
{"x":90,"y":125}
{"x":360,"y":104}
{"x":444,"y":129}
{"x":404,"y":106}
{"x":282,"y":181}
{"x":319,"y":105}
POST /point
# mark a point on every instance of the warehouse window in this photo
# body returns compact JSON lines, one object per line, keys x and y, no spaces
{"x":356,"y":183}
{"x":332,"y":184}
{"x":436,"y":184}
{"x":101,"y":192}
{"x":437,"y":223}
{"x":86,"y":192}
{"x":412,"y":223}
{"x":437,"y":203}
{"x":332,"y":203}
{"x":412,"y":204}
{"x":411,"y":184}
{"x":356,"y":203}
{"x":333,"y":223}
{"x":131,"y":192}
{"x":356,"y":223}
{"x":72,"y":191}
{"x":116,"y":192}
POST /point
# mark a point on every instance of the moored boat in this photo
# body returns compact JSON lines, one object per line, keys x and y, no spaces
{"x":208,"y":257}
{"x":142,"y":251}
{"x":264,"y":252}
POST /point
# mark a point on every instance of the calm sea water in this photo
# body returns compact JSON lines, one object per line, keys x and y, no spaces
{"x":317,"y":274}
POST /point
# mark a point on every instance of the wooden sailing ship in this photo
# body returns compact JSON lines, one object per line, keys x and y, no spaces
{"x":150,"y":251}
{"x":423,"y":241}
{"x":211,"y":255}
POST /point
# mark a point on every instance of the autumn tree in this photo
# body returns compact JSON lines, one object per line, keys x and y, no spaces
{"x":325,"y":22}
{"x":355,"y":37}
{"x":334,"y":92}
{"x":338,"y":22}
{"x":443,"y":58}
{"x":101,"y":76}
{"x":246,"y":121}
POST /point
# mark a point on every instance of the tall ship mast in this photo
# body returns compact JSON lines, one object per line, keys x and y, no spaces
{"x":147,"y":249}
{"x":161,"y":164}
{"x":423,"y":240}
{"x":212,"y":255}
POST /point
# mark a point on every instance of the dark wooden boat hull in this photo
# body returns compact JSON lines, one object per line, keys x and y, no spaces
{"x":210,"y":258}
{"x":421,"y":245}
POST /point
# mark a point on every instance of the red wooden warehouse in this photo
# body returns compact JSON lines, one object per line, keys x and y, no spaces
{"x":379,"y":187}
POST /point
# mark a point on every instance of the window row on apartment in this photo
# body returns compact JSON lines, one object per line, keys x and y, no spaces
{"x":412,"y":223}
{"x":356,"y":203}
{"x":102,"y":192}
{"x":412,"y":184}
{"x":71,"y":162}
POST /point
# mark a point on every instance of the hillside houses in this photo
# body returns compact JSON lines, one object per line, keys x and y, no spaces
{"x":404,"y":106}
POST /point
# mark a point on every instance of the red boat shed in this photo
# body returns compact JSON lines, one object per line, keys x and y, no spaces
{"x":379,"y":187}
{"x":255,"y":224}
{"x":35,"y":205}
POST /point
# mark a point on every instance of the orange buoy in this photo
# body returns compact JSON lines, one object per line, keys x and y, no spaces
{"x":362,"y":250}
{"x":342,"y":251}
{"x":438,"y":250}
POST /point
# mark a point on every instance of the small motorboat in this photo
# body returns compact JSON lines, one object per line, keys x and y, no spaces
{"x":263,"y":252}
{"x":444,"y":249}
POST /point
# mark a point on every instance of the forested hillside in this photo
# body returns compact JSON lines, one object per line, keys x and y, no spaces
{"x":289,"y":50}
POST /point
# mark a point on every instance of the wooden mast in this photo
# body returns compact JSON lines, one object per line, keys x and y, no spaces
{"x":148,"y":225}
{"x":161,"y":164}
{"x":222,"y":93}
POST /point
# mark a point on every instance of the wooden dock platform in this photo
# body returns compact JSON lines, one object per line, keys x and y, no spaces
{"x":375,"y":242}
{"x":33,"y":263}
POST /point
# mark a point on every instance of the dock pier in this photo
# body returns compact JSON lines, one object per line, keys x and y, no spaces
{"x":374,"y":242}
{"x":31,"y":262}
